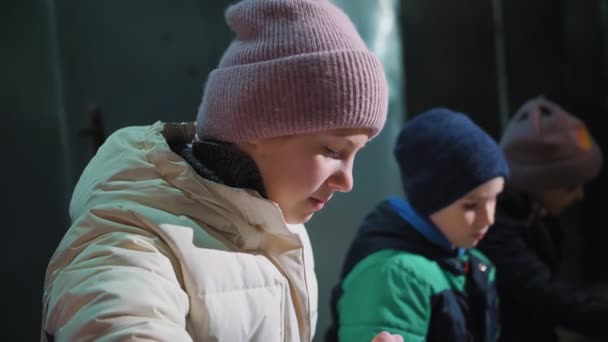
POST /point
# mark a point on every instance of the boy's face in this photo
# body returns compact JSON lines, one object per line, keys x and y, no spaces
{"x":555,"y":201}
{"x":465,"y":222}
{"x":301,"y":172}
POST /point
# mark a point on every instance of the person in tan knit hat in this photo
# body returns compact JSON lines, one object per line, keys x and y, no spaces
{"x":194,"y":232}
{"x":551,"y":155}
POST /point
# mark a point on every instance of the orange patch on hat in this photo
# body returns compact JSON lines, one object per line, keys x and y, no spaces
{"x":583,"y":138}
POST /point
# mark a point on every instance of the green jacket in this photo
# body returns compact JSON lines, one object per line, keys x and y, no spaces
{"x":397,"y":277}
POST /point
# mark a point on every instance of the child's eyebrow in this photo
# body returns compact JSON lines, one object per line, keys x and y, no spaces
{"x":480,"y":196}
{"x":347,"y":141}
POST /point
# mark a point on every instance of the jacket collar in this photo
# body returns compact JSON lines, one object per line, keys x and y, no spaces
{"x":422,"y":224}
{"x":384,"y":228}
{"x":241,"y":216}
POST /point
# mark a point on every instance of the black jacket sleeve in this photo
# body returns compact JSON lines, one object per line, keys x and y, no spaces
{"x":524,"y":278}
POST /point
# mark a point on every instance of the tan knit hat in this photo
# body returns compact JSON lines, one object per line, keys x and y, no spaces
{"x":548,"y":147}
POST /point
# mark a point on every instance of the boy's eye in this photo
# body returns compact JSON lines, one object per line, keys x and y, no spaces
{"x":469,"y":206}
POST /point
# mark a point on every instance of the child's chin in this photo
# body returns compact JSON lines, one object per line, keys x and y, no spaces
{"x":300,"y":219}
{"x":473,"y":244}
{"x":468,"y":244}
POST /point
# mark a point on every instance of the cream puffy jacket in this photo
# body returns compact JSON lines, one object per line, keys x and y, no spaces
{"x":156,"y":252}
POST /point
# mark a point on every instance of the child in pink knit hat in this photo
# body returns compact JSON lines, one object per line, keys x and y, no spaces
{"x":551,"y":155}
{"x":194,"y":232}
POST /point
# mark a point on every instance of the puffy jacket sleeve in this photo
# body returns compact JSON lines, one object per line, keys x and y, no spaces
{"x":385,"y":296}
{"x":523,"y":277}
{"x":111,"y":282}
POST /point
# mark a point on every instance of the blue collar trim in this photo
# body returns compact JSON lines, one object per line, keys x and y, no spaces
{"x":423,"y":225}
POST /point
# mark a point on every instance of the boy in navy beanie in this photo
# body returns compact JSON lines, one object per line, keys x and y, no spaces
{"x":412,"y":269}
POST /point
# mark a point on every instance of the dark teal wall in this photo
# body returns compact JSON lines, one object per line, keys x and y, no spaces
{"x":143,"y":61}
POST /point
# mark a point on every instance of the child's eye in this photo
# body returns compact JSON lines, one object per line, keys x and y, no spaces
{"x":469,"y":206}
{"x":332,"y":153}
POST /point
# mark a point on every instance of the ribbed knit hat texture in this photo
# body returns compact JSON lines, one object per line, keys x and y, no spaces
{"x":294,"y":67}
{"x":443,"y":155}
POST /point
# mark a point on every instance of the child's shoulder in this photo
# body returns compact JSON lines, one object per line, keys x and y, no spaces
{"x":408,"y":267}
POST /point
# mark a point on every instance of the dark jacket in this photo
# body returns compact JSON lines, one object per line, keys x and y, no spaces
{"x":534,"y":302}
{"x":397,"y":277}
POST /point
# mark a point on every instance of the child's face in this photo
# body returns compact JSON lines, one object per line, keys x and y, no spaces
{"x":555,"y":201}
{"x":301,"y":172}
{"x":465,"y":222}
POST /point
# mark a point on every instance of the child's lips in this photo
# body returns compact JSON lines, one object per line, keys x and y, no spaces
{"x":480,"y":235}
{"x":316,"y":203}
{"x":319,"y":203}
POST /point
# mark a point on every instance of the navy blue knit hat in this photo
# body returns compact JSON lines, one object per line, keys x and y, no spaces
{"x":443,"y":155}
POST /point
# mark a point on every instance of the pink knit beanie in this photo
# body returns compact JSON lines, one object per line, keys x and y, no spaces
{"x":548,"y":147}
{"x":295,"y":66}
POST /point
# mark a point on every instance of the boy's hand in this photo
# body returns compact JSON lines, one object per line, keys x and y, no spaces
{"x":386,"y":337}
